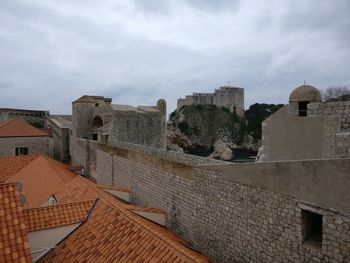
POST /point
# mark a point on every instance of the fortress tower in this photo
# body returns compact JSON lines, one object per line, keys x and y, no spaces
{"x":229,"y":97}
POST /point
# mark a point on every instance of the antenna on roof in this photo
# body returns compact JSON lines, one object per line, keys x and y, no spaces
{"x":52,"y":200}
{"x":19,"y":186}
{"x":22,"y":199}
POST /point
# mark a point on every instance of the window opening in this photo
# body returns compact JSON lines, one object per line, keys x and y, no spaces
{"x":311,"y":228}
{"x":21,"y":151}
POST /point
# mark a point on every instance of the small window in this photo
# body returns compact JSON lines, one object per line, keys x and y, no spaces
{"x":311,"y":228}
{"x":96,"y":104}
{"x":94,"y":136}
{"x":21,"y":151}
{"x":303,"y":108}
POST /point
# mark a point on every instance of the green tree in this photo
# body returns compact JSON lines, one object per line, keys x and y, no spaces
{"x":256,"y":114}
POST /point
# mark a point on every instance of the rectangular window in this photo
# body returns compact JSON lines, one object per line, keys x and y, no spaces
{"x":21,"y":151}
{"x":311,"y":228}
{"x":303,"y":108}
{"x":94,"y":136}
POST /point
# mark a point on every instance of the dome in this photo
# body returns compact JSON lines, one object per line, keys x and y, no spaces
{"x":305,"y":93}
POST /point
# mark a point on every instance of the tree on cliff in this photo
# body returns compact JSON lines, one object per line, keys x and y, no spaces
{"x":256,"y":114}
{"x":336,"y":93}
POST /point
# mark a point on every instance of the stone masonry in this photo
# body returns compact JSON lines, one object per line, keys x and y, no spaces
{"x":35,"y":145}
{"x":234,"y":218}
{"x":337,"y":133}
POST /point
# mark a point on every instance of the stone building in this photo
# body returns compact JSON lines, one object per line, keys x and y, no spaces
{"x":96,"y":119}
{"x":17,"y":137}
{"x":60,"y":127}
{"x":307,"y":128}
{"x":229,"y":97}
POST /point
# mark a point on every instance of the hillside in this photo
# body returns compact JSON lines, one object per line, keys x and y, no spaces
{"x":216,"y":132}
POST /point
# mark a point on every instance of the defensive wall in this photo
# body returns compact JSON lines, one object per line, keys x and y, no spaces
{"x":260,"y":212}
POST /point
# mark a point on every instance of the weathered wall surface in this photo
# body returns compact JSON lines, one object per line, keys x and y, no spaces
{"x":36,"y":145}
{"x":146,"y":129}
{"x":289,"y":137}
{"x":226,"y":212}
{"x":323,"y":133}
{"x":83,"y":153}
{"x":337,"y":127}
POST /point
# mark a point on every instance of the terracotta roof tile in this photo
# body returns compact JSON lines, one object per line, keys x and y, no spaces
{"x":111,"y":234}
{"x":12,"y":164}
{"x":16,"y":127}
{"x":40,"y":179}
{"x":114,"y":234}
{"x":56,"y":215}
{"x":14,"y":245}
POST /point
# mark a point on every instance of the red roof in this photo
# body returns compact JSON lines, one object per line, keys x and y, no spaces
{"x":14,"y":246}
{"x":111,"y":233}
{"x":16,"y":127}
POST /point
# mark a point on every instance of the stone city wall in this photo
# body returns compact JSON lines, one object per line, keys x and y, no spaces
{"x":241,"y":212}
{"x":337,"y":127}
{"x":36,"y":145}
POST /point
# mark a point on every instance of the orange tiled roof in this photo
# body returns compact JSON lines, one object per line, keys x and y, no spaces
{"x":16,"y":127}
{"x":56,"y":215}
{"x":40,"y":179}
{"x":12,"y":164}
{"x":112,"y":233}
{"x":14,"y":245}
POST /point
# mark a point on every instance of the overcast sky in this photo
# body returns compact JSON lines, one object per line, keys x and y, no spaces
{"x":136,"y":51}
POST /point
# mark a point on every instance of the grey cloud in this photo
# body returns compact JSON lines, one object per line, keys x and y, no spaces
{"x":215,"y":6}
{"x":52,"y":53}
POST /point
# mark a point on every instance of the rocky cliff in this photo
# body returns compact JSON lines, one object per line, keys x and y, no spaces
{"x":215,"y":131}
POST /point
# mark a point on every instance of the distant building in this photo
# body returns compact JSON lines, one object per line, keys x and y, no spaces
{"x":307,"y":128}
{"x":17,"y":137}
{"x":229,"y":97}
{"x":96,"y":118}
{"x":34,"y":117}
{"x":60,"y":127}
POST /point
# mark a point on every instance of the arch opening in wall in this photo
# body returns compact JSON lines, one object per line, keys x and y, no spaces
{"x":97,"y":122}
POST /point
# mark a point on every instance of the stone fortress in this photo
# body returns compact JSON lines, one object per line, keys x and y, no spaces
{"x":229,"y":97}
{"x":293,"y":210}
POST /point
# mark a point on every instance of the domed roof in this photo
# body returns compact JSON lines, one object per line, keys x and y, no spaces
{"x":305,"y":93}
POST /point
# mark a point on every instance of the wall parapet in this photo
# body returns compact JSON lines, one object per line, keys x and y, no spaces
{"x":165,"y":154}
{"x":324,"y":182}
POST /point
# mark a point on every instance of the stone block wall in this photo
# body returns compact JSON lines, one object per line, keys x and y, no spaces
{"x":36,"y":145}
{"x":229,"y":220}
{"x":337,"y":127}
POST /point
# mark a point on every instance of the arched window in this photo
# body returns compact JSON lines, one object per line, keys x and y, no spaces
{"x":97,"y":122}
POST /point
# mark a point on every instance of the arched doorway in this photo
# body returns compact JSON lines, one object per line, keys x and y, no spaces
{"x":97,"y":122}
